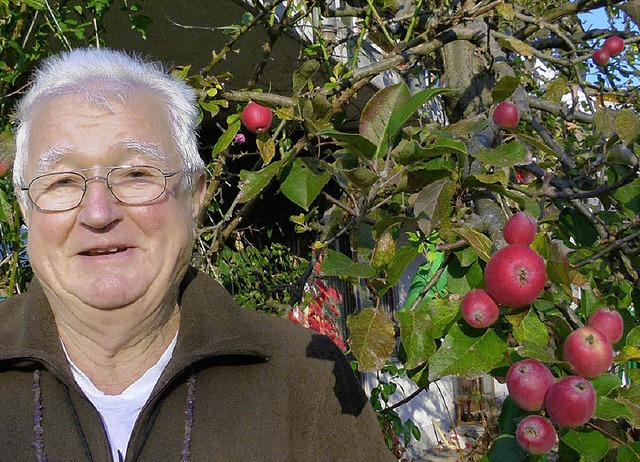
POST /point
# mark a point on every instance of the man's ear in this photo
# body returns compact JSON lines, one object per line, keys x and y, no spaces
{"x":199,"y":192}
{"x":24,"y":208}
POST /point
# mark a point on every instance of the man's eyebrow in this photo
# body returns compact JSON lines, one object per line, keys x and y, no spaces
{"x":51,"y":156}
{"x":145,"y":148}
{"x":55,"y":154}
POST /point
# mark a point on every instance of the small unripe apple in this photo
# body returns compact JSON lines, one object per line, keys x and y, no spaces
{"x":608,"y":322}
{"x":515,"y":275}
{"x":571,"y":401}
{"x":588,"y":351}
{"x":536,"y":435}
{"x":600,"y":57}
{"x":613,"y":45}
{"x":506,"y":115}
{"x":256,"y":118}
{"x":528,"y":381}
{"x":520,"y":229}
{"x":479,"y":309}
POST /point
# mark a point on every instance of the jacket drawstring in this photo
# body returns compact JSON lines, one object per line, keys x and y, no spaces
{"x":38,"y":430}
{"x":38,"y":441}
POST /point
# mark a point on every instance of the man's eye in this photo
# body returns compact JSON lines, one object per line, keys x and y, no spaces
{"x":137,"y":173}
{"x":65,"y":182}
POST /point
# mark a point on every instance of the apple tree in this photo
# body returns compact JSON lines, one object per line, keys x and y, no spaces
{"x":394,"y":142}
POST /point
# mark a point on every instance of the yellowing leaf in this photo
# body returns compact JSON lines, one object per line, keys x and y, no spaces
{"x":372,"y":338}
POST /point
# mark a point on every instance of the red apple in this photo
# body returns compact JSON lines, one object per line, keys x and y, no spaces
{"x":613,"y":45}
{"x":520,"y":229}
{"x":588,"y":351}
{"x":528,"y":381}
{"x":571,"y":401}
{"x":515,"y":275}
{"x":608,"y":322}
{"x":506,"y":115}
{"x":256,"y":118}
{"x":600,"y":57}
{"x":4,"y":168}
{"x":479,"y":309}
{"x":536,"y":435}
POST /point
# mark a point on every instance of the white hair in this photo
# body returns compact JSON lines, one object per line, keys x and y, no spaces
{"x":100,"y":75}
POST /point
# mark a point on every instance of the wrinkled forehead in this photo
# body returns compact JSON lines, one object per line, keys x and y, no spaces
{"x":57,"y":125}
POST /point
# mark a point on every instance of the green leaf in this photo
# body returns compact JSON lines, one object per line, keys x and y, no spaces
{"x":605,"y":384}
{"x":302,"y":75}
{"x":505,"y":448}
{"x":532,"y":329}
{"x":443,"y":313}
{"x":252,"y":183}
{"x":590,"y":444}
{"x":384,"y":250}
{"x":5,"y":209}
{"x":303,"y":181}
{"x":629,"y":453}
{"x":411,"y":152}
{"x":627,"y":125}
{"x":396,"y":267}
{"x":36,"y":4}
{"x":360,"y":177}
{"x":478,"y":241}
{"x":556,"y":89}
{"x":466,"y":351}
{"x":372,"y":338}
{"x":433,"y":204}
{"x":416,"y":332}
{"x":266,"y":147}
{"x":376,"y":115}
{"x":504,"y":88}
{"x":339,"y":265}
{"x":633,"y":337}
{"x":510,"y":415}
{"x":354,"y":143}
{"x":610,"y":409}
{"x":505,"y":155}
{"x":630,"y":397}
{"x":528,"y":349}
{"x":404,"y":112}
{"x":226,"y":138}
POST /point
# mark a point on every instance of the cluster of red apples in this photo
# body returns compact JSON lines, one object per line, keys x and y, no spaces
{"x":514,"y":277}
{"x":613,"y":46}
{"x":571,"y":401}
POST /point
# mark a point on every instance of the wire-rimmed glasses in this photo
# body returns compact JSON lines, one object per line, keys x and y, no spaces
{"x":132,"y":185}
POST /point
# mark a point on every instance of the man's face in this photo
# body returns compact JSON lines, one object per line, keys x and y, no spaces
{"x":104,"y":253}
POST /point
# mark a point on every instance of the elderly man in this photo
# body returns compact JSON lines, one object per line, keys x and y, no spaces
{"x":119,"y":350}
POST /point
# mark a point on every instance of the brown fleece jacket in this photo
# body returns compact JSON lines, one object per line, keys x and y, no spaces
{"x":241,"y":386}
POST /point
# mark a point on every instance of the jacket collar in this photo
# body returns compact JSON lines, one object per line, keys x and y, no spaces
{"x":211,"y":326}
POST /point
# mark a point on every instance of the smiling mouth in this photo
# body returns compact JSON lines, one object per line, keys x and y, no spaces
{"x":101,"y":252}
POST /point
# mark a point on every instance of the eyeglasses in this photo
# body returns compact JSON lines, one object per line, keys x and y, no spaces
{"x":132,"y":185}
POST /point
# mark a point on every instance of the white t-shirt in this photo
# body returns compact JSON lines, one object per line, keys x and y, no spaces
{"x":119,"y":412}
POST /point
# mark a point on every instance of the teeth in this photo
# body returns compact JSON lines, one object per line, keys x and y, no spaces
{"x":115,"y":249}
{"x":104,"y":251}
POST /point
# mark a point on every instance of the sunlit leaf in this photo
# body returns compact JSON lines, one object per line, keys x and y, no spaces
{"x":252,"y":183}
{"x":466,"y":351}
{"x":590,"y":444}
{"x":478,"y":241}
{"x":372,"y":338}
{"x":416,"y":332}
{"x":304,"y":181}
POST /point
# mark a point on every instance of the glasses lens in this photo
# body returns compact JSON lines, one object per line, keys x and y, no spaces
{"x":136,"y":185}
{"x":57,"y":191}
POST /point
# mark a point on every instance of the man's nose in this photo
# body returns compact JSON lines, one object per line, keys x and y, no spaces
{"x":99,"y":207}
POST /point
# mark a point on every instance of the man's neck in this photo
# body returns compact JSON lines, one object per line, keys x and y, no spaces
{"x":116,"y":349}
